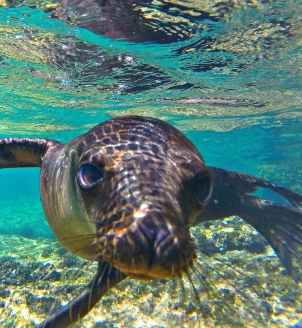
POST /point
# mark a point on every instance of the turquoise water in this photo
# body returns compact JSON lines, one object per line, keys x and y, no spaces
{"x":231,"y":80}
{"x":227,"y":74}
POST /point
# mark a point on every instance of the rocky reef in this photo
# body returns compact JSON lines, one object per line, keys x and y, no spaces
{"x":232,"y":283}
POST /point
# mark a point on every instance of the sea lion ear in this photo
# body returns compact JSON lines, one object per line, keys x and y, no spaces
{"x":24,"y":152}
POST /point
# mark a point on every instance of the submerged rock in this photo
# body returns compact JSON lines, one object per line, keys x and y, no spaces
{"x":239,"y":286}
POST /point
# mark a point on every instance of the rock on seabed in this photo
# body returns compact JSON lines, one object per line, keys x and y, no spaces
{"x":235,"y":287}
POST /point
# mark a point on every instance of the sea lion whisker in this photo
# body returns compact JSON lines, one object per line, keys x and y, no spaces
{"x":91,"y":245}
{"x":183,"y":292}
{"x":102,"y":268}
{"x":213,"y":293}
{"x":171,"y":288}
{"x":201,"y":252}
{"x":77,"y":237}
{"x":84,"y":267}
{"x":234,"y":287}
{"x":117,"y":273}
{"x":198,"y":307}
{"x":174,"y":281}
{"x":97,"y":257}
{"x":113,"y":255}
{"x":73,"y":272}
{"x":177,"y":285}
{"x":193,"y":286}
{"x":218,"y":271}
{"x":94,"y":243}
{"x":95,"y":222}
{"x":202,"y":278}
{"x":206,"y":286}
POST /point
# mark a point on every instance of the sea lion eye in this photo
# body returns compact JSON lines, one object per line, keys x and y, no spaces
{"x":203,"y":189}
{"x":89,"y":175}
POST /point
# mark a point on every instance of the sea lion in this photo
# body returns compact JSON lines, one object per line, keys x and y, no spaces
{"x":126,"y":193}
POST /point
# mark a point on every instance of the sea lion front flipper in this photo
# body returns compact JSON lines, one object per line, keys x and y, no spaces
{"x":247,"y":184}
{"x":24,"y":152}
{"x":281,"y":225}
{"x":105,"y":278}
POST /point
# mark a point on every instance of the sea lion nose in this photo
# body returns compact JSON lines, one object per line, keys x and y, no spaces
{"x":149,"y":247}
{"x":155,"y":231}
{"x":149,"y":235}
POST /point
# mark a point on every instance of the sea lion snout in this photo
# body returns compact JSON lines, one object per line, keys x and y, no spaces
{"x":150,"y":247}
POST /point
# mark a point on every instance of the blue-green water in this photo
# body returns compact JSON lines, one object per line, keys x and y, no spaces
{"x":228,"y":74}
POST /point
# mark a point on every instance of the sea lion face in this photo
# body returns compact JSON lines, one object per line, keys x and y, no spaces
{"x":142,"y":183}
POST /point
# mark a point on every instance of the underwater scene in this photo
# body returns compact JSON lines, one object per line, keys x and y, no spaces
{"x":228,"y":75}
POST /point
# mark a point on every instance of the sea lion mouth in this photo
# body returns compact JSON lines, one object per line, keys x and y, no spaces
{"x":149,"y":248}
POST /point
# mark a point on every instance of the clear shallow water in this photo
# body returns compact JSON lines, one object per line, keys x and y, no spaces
{"x":228,"y":74}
